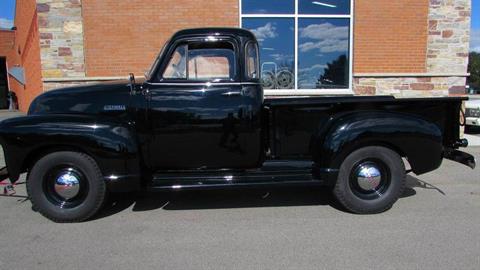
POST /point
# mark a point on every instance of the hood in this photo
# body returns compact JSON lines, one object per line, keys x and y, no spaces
{"x":84,"y":99}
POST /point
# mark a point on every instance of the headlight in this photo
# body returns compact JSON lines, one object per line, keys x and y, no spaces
{"x":472,"y":112}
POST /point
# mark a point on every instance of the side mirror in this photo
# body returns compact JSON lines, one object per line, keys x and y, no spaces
{"x":133,"y":85}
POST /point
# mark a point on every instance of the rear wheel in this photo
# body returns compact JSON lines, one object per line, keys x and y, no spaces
{"x":66,"y":186}
{"x":370,"y":180}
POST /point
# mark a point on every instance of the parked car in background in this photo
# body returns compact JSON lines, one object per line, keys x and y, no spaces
{"x":472,"y":112}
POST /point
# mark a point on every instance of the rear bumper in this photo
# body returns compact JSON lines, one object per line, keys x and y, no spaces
{"x":460,"y":157}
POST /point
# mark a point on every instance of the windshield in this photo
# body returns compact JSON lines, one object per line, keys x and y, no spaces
{"x":149,"y":74}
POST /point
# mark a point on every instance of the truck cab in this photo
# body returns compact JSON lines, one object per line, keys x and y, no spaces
{"x":204,"y":102}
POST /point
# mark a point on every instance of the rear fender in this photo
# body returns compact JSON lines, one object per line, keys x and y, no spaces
{"x":112,"y":144}
{"x":412,"y":137}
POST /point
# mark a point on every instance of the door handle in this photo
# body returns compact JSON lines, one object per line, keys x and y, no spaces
{"x":232,"y":93}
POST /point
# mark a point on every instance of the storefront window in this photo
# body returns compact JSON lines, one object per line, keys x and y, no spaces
{"x":304,"y":44}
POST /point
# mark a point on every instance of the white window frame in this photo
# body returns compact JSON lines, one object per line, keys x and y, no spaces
{"x":296,"y":16}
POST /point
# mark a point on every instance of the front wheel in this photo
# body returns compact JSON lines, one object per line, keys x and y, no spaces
{"x":370,"y":180}
{"x":66,"y":186}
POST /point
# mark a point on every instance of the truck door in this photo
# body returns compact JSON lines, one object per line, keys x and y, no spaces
{"x":200,"y":114}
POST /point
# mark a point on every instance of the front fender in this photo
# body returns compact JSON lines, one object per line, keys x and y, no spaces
{"x":111,"y":143}
{"x":416,"y":139}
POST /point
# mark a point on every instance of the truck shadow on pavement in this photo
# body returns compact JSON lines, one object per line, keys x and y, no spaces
{"x":235,"y":198}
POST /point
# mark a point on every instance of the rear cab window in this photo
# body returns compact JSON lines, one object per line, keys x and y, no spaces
{"x":251,"y":63}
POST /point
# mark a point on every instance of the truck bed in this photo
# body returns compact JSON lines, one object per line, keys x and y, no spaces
{"x":292,"y":121}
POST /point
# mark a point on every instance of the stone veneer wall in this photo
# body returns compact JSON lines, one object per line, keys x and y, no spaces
{"x":448,"y":36}
{"x":449,"y":39}
{"x":61,"y":40}
{"x":410,"y":86}
{"x":446,"y":62}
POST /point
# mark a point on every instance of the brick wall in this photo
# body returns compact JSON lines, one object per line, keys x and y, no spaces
{"x":390,"y":36}
{"x":125,"y":36}
{"x":6,"y":42}
{"x":25,"y":53}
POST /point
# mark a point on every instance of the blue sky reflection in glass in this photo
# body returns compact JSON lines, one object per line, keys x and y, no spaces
{"x":323,"y":46}
{"x":277,"y":40}
{"x":322,"y":7}
{"x":268,"y":6}
{"x":7,"y":13}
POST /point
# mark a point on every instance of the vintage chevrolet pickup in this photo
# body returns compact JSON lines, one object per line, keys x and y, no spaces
{"x":200,"y":120}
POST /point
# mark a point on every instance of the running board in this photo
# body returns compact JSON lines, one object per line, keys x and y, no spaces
{"x":271,"y":173}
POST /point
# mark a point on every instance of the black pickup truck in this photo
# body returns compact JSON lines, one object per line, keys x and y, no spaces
{"x":200,"y":120}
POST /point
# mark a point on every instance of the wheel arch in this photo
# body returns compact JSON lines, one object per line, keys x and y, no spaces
{"x":416,"y":139}
{"x":366,"y":143}
{"x":36,"y":154}
{"x":110,"y":143}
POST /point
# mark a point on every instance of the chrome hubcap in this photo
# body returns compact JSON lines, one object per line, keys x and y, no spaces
{"x":369,"y":177}
{"x":67,"y":185}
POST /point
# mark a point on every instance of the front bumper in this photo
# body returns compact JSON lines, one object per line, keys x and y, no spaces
{"x":460,"y":157}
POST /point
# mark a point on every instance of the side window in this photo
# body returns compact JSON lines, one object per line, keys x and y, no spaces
{"x":211,"y":61}
{"x":176,"y":68}
{"x":202,"y":61}
{"x":252,"y":60}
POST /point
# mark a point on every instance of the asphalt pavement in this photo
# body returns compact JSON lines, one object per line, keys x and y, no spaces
{"x":435,"y":225}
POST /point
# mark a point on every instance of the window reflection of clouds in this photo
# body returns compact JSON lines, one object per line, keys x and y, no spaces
{"x":327,"y":37}
{"x":322,"y":53}
{"x":265,"y":31}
